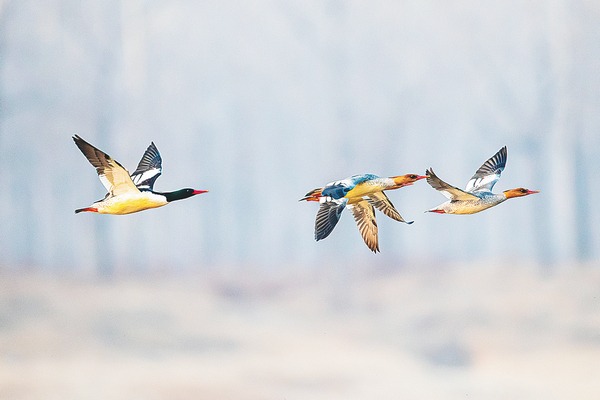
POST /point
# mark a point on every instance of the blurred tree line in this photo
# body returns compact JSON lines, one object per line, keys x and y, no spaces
{"x":261,"y":102}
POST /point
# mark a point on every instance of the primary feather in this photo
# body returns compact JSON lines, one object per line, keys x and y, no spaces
{"x":488,"y":174}
{"x":148,"y":169}
{"x":113,"y":175}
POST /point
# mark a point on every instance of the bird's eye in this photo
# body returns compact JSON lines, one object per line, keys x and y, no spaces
{"x":523,"y":190}
{"x":413,"y":177}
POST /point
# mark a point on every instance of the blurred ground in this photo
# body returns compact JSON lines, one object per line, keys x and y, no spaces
{"x":493,"y":332}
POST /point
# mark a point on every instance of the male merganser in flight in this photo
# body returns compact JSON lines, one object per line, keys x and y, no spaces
{"x":478,"y":194}
{"x":362,"y":194}
{"x":129,"y":193}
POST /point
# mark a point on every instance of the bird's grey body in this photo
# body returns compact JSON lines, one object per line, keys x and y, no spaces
{"x":478,"y":195}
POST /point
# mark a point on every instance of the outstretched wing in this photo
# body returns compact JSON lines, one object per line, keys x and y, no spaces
{"x":451,"y":192}
{"x":113,"y":176}
{"x":149,"y":168}
{"x":364,"y":215}
{"x":381,"y":202}
{"x":488,"y":174}
{"x":327,"y":217}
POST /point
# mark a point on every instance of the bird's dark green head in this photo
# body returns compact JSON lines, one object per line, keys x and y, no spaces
{"x":182,"y":194}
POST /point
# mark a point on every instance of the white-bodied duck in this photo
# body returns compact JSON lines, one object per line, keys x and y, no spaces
{"x":129,"y":193}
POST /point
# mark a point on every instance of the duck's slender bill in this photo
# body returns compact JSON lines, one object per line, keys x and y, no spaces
{"x":418,"y":178}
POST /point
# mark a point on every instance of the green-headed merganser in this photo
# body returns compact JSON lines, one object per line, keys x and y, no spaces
{"x":129,"y":193}
{"x":478,"y":194}
{"x":362,"y":194}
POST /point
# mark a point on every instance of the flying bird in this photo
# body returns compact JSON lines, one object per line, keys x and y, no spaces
{"x":478,"y":195}
{"x":361,"y":194}
{"x":129,"y":193}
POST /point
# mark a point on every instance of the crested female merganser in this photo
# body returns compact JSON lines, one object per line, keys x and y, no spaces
{"x":129,"y":193}
{"x":361,"y":194}
{"x":478,"y":194}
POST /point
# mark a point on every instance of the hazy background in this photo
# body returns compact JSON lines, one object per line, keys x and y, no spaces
{"x":227,"y":295}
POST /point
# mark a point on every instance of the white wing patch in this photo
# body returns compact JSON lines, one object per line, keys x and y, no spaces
{"x":113,"y":175}
{"x":116,"y":179}
{"x":488,"y":174}
{"x":145,"y":176}
{"x":482,"y":183}
{"x":148,"y":169}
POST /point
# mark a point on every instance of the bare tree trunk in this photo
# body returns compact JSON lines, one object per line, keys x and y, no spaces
{"x":545,"y":251}
{"x":108,"y":57}
{"x":582,"y":219}
{"x":585,"y":122}
{"x":4,"y":194}
{"x":18,"y":227}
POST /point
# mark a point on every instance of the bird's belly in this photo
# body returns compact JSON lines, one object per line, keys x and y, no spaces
{"x":468,"y":207}
{"x":130,"y":204}
{"x":362,"y":189}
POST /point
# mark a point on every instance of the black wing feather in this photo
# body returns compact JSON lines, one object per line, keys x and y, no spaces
{"x":327,"y":218}
{"x":148,"y":169}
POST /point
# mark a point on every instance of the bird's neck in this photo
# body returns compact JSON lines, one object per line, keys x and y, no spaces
{"x":176,"y":195}
{"x":390,"y":183}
